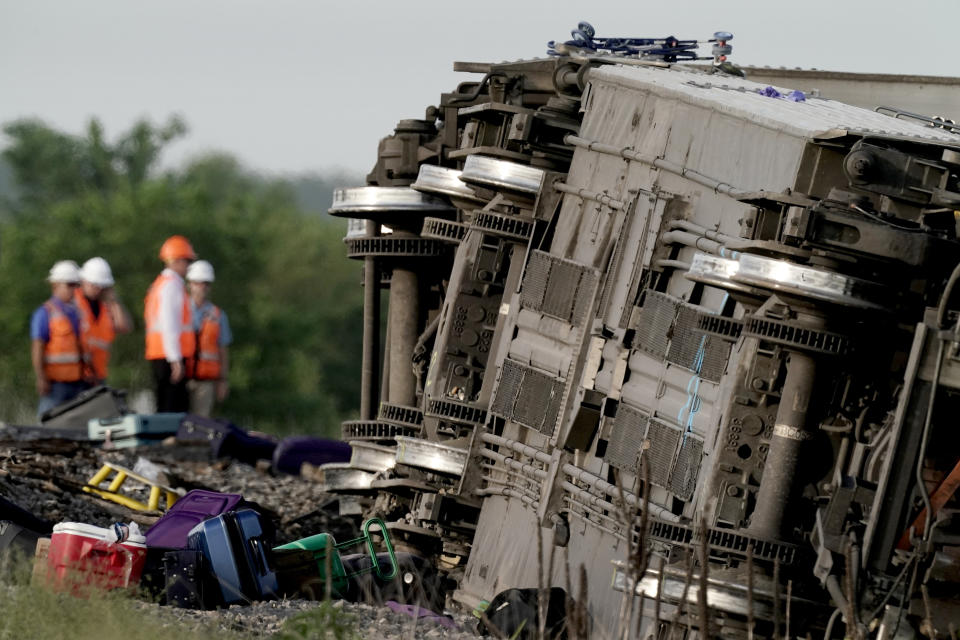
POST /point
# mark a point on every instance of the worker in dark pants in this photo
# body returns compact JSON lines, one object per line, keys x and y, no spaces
{"x":171,"y":339}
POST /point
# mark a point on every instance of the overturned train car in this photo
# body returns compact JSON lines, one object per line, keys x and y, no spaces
{"x":666,"y":340}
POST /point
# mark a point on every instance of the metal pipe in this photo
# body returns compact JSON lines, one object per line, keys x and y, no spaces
{"x":371,"y":332}
{"x":712,"y":234}
{"x":602,"y":198}
{"x":699,"y":242}
{"x":789,"y":434}
{"x":672,"y":264}
{"x":404,"y":317}
{"x":507,"y":492}
{"x":583,"y":518}
{"x":513,"y":464}
{"x":594,"y":512}
{"x":600,"y":484}
{"x":519,"y":447}
{"x":505,"y":483}
{"x":517,"y":477}
{"x":628,"y":153}
{"x":924,"y":438}
{"x":385,"y":369}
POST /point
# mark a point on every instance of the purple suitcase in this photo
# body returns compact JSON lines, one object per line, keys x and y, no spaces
{"x":295,"y":450}
{"x":171,"y":530}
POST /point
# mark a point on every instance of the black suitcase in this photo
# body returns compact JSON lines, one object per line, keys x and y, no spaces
{"x":17,"y":539}
{"x":18,"y":515}
{"x":98,"y":402}
{"x":190,"y":584}
{"x":417,"y":581}
{"x":297,"y":575}
{"x":226,"y":439}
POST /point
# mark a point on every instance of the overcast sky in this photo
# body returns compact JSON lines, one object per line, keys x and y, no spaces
{"x":311,"y":85}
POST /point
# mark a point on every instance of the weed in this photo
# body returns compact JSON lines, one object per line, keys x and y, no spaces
{"x":325,"y":622}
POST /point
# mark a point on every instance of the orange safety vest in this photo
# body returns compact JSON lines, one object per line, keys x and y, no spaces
{"x":96,"y":336}
{"x":208,"y":345}
{"x":61,"y":354}
{"x":151,"y":314}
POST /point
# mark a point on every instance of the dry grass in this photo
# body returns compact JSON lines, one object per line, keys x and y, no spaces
{"x":29,"y":611}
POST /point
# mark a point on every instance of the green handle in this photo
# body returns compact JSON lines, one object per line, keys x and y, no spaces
{"x":368,"y":540}
{"x":373,"y":552}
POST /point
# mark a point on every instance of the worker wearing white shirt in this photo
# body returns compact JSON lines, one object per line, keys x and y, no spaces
{"x":171,"y":340}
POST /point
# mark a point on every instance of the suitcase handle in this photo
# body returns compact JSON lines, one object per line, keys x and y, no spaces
{"x":259,"y":554}
{"x":106,"y":422}
{"x":372,"y":551}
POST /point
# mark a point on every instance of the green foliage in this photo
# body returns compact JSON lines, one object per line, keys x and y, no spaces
{"x":324,"y":622}
{"x":29,"y":612}
{"x":282,"y":276}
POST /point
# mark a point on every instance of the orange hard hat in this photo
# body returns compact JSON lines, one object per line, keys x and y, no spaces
{"x":176,"y":247}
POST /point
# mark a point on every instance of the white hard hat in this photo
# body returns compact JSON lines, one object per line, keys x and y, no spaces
{"x":200,"y":271}
{"x":97,"y":271}
{"x":64,"y":271}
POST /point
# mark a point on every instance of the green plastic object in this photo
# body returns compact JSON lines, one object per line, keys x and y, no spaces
{"x":339,"y":578}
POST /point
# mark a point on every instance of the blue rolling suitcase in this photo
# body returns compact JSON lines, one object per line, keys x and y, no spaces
{"x":236,"y":551}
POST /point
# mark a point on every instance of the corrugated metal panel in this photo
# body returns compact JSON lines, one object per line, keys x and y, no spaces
{"x":626,"y":438}
{"x":656,"y":318}
{"x":559,"y":288}
{"x":663,"y":440}
{"x":738,"y":97}
{"x":528,"y":396}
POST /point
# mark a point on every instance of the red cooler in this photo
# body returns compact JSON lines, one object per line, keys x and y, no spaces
{"x":81,"y":556}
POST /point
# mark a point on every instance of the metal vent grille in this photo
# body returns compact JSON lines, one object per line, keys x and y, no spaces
{"x":626,"y":438}
{"x":663,"y":440}
{"x":716,"y":352}
{"x":584,"y":299}
{"x":508,"y":387}
{"x":656,"y":318}
{"x":687,"y":343}
{"x":559,"y":288}
{"x":535,"y":280}
{"x":683,"y":479}
{"x":527,"y":396}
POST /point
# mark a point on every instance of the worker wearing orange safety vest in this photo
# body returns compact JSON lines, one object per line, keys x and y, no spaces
{"x":212,"y":363}
{"x":171,"y":340}
{"x":102,"y":316}
{"x":55,"y":349}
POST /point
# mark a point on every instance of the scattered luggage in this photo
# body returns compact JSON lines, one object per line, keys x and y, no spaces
{"x":189,"y":583}
{"x":82,"y":556}
{"x":171,"y":530}
{"x":306,"y":573}
{"x":134,"y":429}
{"x":226,"y":439}
{"x":18,"y":515}
{"x":514,"y":614}
{"x":15,"y":539}
{"x":236,"y":550}
{"x":416,"y":582}
{"x":292,"y":452}
{"x":99,"y":402}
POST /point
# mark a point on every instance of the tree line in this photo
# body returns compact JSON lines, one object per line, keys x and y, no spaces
{"x":293,"y":298}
